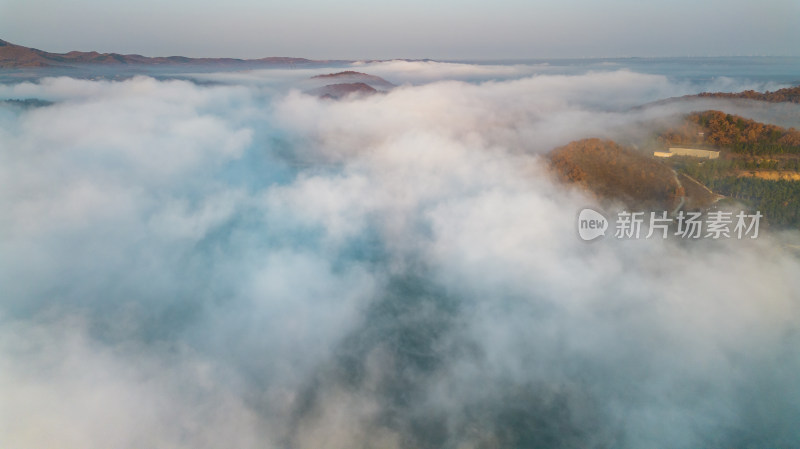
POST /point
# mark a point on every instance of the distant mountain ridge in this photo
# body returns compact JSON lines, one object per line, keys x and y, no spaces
{"x":786,"y":95}
{"x":17,"y":56}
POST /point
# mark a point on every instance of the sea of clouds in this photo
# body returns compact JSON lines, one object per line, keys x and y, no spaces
{"x":234,"y":263}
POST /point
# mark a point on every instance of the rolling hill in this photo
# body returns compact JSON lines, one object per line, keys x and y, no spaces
{"x":615,"y":172}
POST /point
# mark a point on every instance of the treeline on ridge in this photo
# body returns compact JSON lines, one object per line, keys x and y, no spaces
{"x":734,"y":133}
{"x":787,"y":95}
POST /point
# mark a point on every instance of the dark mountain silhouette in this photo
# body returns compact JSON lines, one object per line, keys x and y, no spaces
{"x":17,"y":56}
{"x":350,"y":76}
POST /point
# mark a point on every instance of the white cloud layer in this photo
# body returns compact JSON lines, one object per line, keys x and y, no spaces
{"x":207,"y":266}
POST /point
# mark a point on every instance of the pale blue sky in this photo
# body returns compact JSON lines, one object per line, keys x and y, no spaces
{"x":407,"y":29}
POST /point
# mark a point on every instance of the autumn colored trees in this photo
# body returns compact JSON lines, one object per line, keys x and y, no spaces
{"x":732,"y":132}
{"x":614,"y":171}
